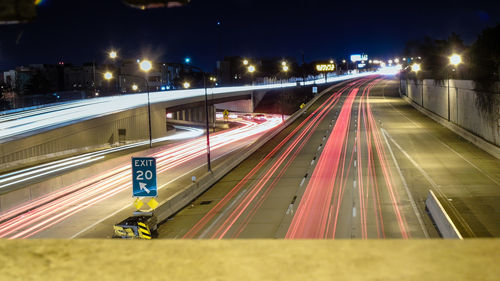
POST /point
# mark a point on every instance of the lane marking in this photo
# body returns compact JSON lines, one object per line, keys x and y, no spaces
{"x":447,"y":146}
{"x":302,"y":182}
{"x":434,"y":185}
{"x":160,"y":187}
{"x":354,"y":211}
{"x":410,"y":196}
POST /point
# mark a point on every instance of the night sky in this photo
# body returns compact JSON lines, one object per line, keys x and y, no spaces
{"x":76,"y":31}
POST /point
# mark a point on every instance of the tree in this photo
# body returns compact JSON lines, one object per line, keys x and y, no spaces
{"x":484,"y":58}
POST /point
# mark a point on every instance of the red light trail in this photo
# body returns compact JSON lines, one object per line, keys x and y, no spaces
{"x":251,"y":201}
{"x":33,"y":217}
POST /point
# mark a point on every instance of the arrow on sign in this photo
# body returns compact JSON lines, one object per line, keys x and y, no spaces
{"x":142,"y":186}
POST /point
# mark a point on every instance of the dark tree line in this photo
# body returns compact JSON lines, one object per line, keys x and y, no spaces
{"x":481,"y":61}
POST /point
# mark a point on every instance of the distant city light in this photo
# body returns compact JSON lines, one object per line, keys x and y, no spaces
{"x":251,"y":69}
{"x":163,"y":88}
{"x":283,"y":63}
{"x":343,"y":61}
{"x":187,"y":60}
{"x":396,"y":60}
{"x":245,"y":62}
{"x":455,"y":59}
{"x":390,"y":61}
{"x":135,"y":87}
{"x":285,"y":68}
{"x":186,"y":85}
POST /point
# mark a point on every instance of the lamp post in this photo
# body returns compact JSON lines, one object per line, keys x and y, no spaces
{"x":416,"y":68}
{"x":284,"y":68}
{"x":213,"y":80}
{"x":146,"y":66}
{"x":455,"y":60}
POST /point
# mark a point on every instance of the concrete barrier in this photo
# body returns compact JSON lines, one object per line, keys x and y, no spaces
{"x":176,"y":202}
{"x":444,"y":224}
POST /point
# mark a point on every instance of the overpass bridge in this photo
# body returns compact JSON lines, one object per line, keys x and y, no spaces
{"x":37,"y":135}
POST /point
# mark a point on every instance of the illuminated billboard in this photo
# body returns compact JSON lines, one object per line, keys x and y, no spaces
{"x":325,"y":67}
{"x":359,"y":57}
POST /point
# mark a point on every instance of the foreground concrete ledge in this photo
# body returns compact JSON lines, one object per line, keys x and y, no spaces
{"x":474,"y":259}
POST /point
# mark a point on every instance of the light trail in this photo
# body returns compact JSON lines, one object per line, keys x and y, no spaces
{"x":54,"y":167}
{"x":40,"y":214}
{"x":316,"y":215}
{"x":301,"y":134}
{"x":24,"y":123}
{"x":311,"y":218}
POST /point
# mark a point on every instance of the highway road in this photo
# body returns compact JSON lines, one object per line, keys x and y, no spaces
{"x":359,"y":165}
{"x":89,"y":208}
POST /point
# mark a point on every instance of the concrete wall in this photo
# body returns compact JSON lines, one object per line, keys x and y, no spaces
{"x":461,"y":104}
{"x":89,"y":135}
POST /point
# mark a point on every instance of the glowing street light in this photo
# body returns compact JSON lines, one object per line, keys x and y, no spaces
{"x":415,"y":67}
{"x":285,"y":68}
{"x":108,"y":75}
{"x":251,"y":68}
{"x":455,"y":59}
{"x":135,"y":87}
{"x":343,"y":61}
{"x":187,"y":60}
{"x":113,"y":55}
{"x":245,"y":62}
{"x":186,"y":85}
{"x":283,"y":63}
{"x":145,"y":65}
{"x":396,"y":60}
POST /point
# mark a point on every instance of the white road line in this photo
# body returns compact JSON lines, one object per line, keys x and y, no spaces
{"x":302,"y":182}
{"x":410,"y":197}
{"x":354,"y":211}
{"x":433,"y":183}
{"x":127,"y":206}
{"x":222,"y":214}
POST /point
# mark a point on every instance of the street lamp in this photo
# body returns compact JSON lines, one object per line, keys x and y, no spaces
{"x":186,"y":85}
{"x":245,"y":62}
{"x":455,"y":60}
{"x":146,"y":66}
{"x":415,"y":67}
{"x":284,"y":70}
{"x":135,"y":87}
{"x":108,"y":75}
{"x":113,"y":55}
{"x":251,"y":69}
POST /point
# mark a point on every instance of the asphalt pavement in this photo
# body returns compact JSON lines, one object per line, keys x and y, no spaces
{"x":358,"y":165}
